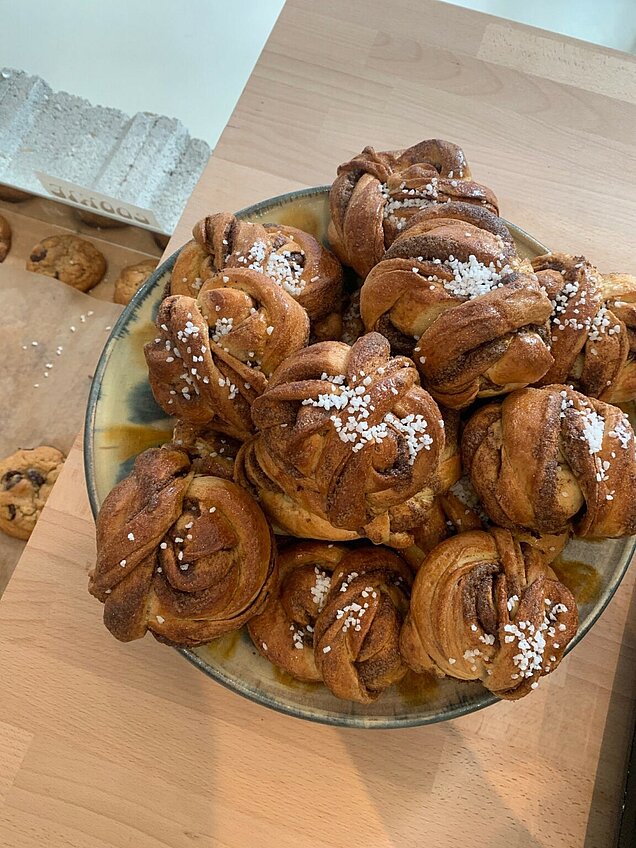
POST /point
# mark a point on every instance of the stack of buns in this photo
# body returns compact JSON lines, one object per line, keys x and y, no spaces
{"x":376,"y":476}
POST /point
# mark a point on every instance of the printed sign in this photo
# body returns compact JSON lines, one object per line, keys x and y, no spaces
{"x":101,"y":204}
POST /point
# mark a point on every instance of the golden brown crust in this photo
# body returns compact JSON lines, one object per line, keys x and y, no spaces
{"x":219,"y":234}
{"x":5,"y":238}
{"x":593,"y":327}
{"x":255,"y":321}
{"x":284,"y":631}
{"x":619,"y":293}
{"x":434,"y":524}
{"x":483,"y":607}
{"x":256,"y":472}
{"x":357,"y":634}
{"x":548,"y":459}
{"x":450,"y":468}
{"x":454,"y":282}
{"x":26,"y":480}
{"x":348,"y":434}
{"x":188,"y":558}
{"x":192,"y":267}
{"x":131,"y":278}
{"x":71,"y":259}
{"x":289,"y":515}
{"x":375,"y":194}
{"x":187,"y":380}
{"x":321,"y":278}
{"x":211,"y":450}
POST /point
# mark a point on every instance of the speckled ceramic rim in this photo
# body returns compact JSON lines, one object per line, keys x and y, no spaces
{"x":253,"y":694}
{"x":96,"y":386}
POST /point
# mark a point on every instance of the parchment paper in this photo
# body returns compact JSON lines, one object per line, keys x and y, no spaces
{"x":37,"y":218}
{"x":34,"y":308}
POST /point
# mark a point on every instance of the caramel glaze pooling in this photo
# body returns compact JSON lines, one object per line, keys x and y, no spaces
{"x":581,"y":578}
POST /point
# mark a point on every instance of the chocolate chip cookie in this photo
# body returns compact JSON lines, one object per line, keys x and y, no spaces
{"x":161,"y":240}
{"x":130,"y":278}
{"x":99,"y":221}
{"x":13,"y":195}
{"x":68,"y":258}
{"x":26,"y":480}
{"x":5,"y":238}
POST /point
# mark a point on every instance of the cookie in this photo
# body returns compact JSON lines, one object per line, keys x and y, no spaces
{"x":131,"y":278}
{"x":68,"y":258}
{"x":161,"y":240}
{"x":13,"y":195}
{"x":5,"y":238}
{"x":100,"y":221}
{"x":26,"y":480}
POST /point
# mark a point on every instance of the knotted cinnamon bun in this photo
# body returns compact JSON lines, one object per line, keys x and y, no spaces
{"x":593,"y":327}
{"x":357,"y":633}
{"x":347,"y":439}
{"x":284,"y":631}
{"x":187,"y":557}
{"x":375,"y":194}
{"x":292,"y":259}
{"x":485,"y":607}
{"x":212,"y":355}
{"x":549,"y":459}
{"x":453,"y":293}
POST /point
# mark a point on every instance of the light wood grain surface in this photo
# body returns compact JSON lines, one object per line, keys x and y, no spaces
{"x":103,"y":744}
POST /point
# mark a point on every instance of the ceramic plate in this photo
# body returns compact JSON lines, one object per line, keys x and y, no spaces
{"x":123,"y":420}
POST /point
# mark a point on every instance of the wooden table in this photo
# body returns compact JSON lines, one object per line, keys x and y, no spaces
{"x":103,"y":744}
